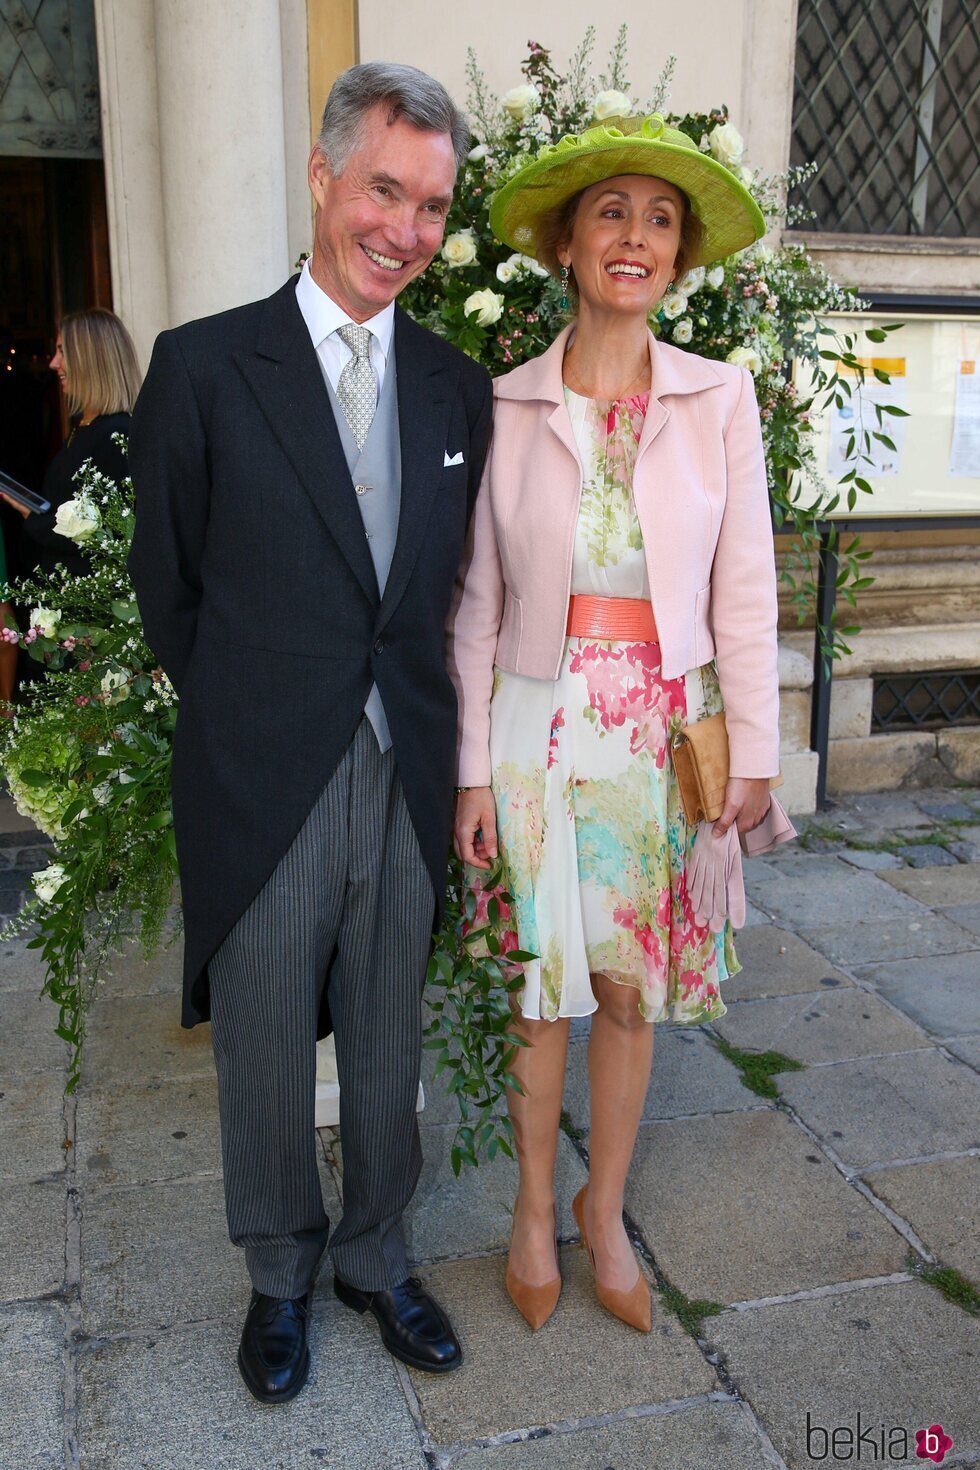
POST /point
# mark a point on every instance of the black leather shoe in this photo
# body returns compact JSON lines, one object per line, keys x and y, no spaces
{"x":273,"y":1357}
{"x":414,"y":1328}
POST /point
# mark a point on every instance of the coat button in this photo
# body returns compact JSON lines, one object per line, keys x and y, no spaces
{"x":362,"y":489}
{"x":379,"y":645}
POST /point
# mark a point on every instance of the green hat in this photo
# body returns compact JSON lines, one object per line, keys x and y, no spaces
{"x":628,"y":145}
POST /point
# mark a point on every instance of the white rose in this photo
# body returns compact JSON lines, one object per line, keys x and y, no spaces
{"x":745,"y":357}
{"x":747,"y":175}
{"x":716,"y":276}
{"x":45,"y":618}
{"x":506,"y":271}
{"x":520,"y":102}
{"x":674,"y":305}
{"x":683,"y":331}
{"x":115,"y":686}
{"x":477,"y":154}
{"x":78,"y":519}
{"x":485,"y":305}
{"x":460,"y":249}
{"x":692,"y":282}
{"x":48,"y":881}
{"x":528,"y":263}
{"x":726,"y":144}
{"x":611,"y":104}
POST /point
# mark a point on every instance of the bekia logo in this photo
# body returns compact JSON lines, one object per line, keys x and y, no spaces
{"x":932,"y":1444}
{"x":874,"y":1444}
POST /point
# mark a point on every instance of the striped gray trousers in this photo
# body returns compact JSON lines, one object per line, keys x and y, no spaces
{"x":351,"y":899}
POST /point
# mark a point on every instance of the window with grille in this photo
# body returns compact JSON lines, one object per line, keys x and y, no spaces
{"x":927,"y":701}
{"x":887,"y":104}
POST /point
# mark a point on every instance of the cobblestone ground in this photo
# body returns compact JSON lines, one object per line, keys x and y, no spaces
{"x":793,"y":1241}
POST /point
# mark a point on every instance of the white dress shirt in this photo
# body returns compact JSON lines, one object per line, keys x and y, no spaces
{"x":323,"y":317}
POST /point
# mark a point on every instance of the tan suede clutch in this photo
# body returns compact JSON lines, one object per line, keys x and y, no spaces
{"x":700,"y":753}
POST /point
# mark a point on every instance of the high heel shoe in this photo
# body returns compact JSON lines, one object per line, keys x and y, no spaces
{"x":535,"y":1303}
{"x":631,"y":1307}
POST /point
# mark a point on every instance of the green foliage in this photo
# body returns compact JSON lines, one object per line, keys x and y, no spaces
{"x":955,"y":1287}
{"x":468,"y":996}
{"x":757,"y":1068}
{"x":689,"y":1311}
{"x":87,"y":757}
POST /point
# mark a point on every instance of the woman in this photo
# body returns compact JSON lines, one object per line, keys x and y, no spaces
{"x":620,"y":583}
{"x":96,"y":365}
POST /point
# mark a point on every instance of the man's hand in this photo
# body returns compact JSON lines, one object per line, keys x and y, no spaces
{"x":475,"y":828}
{"x":746,"y":802}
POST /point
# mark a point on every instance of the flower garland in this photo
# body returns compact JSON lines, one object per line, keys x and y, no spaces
{"x":87,"y":758}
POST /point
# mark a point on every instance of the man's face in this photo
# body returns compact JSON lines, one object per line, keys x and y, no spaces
{"x":380,"y":223}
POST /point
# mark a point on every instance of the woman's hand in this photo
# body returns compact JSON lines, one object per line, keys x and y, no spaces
{"x":746,"y":803}
{"x":475,"y":828}
{"x":16,"y":504}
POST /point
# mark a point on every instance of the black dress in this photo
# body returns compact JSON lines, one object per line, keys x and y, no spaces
{"x":90,"y":441}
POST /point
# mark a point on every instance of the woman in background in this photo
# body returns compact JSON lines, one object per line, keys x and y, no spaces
{"x":96,"y":365}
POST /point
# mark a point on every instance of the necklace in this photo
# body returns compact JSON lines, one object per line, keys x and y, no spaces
{"x":574,"y":382}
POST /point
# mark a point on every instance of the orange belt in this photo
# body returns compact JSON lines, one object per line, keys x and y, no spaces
{"x":619,"y":619}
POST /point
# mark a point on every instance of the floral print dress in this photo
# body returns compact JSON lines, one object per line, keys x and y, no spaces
{"x":592,"y":835}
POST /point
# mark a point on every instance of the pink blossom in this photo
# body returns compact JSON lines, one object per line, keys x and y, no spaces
{"x":557,"y":723}
{"x":81,"y":700}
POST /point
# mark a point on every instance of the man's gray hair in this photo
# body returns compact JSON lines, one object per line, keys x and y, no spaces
{"x":405,"y":92}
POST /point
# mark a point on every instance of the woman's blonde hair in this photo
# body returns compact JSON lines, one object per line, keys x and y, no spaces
{"x":101,"y":371}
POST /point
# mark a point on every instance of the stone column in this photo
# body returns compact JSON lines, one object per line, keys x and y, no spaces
{"x":222,"y":152}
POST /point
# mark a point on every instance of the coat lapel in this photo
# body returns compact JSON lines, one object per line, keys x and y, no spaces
{"x":284,"y":374}
{"x":425,"y":384}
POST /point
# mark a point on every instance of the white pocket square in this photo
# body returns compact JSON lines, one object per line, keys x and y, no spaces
{"x":452,"y":459}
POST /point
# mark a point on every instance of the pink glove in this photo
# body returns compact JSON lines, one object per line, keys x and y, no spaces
{"x":774,"y":828}
{"x":714,"y":877}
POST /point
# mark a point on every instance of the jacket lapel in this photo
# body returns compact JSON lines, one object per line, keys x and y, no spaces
{"x":425,"y":383}
{"x":284,"y":374}
{"x":672,"y":372}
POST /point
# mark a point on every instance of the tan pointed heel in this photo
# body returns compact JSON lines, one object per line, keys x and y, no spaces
{"x":535,"y":1303}
{"x":631,"y":1307}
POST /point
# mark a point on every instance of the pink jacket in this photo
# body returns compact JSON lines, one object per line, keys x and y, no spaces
{"x":700,"y":492}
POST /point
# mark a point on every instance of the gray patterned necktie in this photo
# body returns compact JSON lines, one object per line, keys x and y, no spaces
{"x":357,"y":388}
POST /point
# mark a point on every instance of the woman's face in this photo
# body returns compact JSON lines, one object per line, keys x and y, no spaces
{"x":625,"y":239}
{"x":57,"y":364}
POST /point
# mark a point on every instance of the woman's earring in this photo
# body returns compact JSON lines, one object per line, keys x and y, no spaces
{"x":670,"y":287}
{"x":563,"y":303}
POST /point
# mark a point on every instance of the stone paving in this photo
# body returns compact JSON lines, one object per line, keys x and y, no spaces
{"x":806,"y":1222}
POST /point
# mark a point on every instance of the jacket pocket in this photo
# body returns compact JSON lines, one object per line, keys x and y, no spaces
{"x":704,"y":641}
{"x":511,"y":633}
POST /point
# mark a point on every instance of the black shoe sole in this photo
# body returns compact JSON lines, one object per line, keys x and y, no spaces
{"x":354,"y":1298}
{"x":284,"y":1394}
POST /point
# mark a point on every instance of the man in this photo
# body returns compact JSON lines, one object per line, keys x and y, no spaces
{"x":305,"y":468}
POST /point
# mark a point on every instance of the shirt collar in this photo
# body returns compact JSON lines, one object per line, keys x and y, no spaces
{"x":322,"y":315}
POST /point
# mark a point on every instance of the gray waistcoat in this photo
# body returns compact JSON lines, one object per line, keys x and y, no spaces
{"x":377,"y":474}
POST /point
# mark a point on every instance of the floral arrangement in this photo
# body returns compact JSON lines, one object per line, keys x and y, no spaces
{"x":87,"y":754}
{"x":87,"y":758}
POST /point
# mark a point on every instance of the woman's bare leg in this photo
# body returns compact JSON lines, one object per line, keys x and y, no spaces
{"x":620,"y":1058}
{"x":540,"y":1068}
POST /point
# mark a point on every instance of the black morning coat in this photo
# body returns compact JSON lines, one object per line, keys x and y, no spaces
{"x":259,"y":597}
